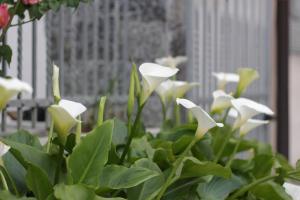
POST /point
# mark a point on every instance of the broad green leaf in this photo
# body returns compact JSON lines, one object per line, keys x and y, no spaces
{"x":282,"y":162}
{"x":192,"y":167}
{"x":103,"y":198}
{"x":12,"y":165}
{"x":5,"y":195}
{"x":119,"y":177}
{"x":38,"y":182}
{"x":120,"y":132}
{"x":141,"y":148}
{"x":203,"y":149}
{"x":242,"y":166}
{"x":26,"y":154}
{"x":73,"y":192}
{"x":86,"y":162}
{"x":262,"y":165}
{"x":218,"y":188}
{"x":178,"y":132}
{"x":270,"y":190}
{"x":149,"y":189}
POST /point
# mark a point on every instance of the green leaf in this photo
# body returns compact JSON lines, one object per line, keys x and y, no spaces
{"x":26,"y":154}
{"x":38,"y":182}
{"x":141,"y":148}
{"x":178,"y":132}
{"x":149,"y":189}
{"x":73,"y":192}
{"x":14,"y":168}
{"x":218,"y":188}
{"x":192,"y":167}
{"x":270,"y":190}
{"x":6,"y":53}
{"x":86,"y":162}
{"x":263,"y":165}
{"x":103,"y":198}
{"x":120,"y":132}
{"x":119,"y":177}
{"x":180,"y":145}
{"x":5,"y":195}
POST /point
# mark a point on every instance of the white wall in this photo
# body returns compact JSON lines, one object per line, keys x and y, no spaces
{"x":27,"y":55}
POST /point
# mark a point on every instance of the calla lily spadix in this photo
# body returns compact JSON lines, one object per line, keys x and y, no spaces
{"x":205,"y":122}
{"x":247,"y":76}
{"x":152,"y":76}
{"x":249,"y":125}
{"x":221,"y":101}
{"x":224,"y":78}
{"x":171,"y":61}
{"x":64,"y":115}
{"x":247,"y":109}
{"x":3,"y":148}
{"x":170,"y":89}
{"x":55,"y":82}
{"x":10,"y":87}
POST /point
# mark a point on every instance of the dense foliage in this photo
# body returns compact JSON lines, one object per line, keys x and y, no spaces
{"x":199,"y":159}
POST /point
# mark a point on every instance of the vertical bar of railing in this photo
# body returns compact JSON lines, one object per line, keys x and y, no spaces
{"x":61,"y":51}
{"x":34,"y":71}
{"x":19,"y":74}
{"x":3,"y":120}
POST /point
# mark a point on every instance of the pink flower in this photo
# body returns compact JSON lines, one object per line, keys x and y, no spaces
{"x":4,"y":15}
{"x":30,"y":2}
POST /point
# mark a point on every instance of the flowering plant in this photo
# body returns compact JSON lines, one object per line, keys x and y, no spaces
{"x":198,"y":159}
{"x":24,"y":9}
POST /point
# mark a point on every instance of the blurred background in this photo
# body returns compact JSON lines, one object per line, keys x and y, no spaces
{"x":95,"y":45}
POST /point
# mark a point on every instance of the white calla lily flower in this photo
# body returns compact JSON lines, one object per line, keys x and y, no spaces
{"x":170,"y":89}
{"x":221,"y":101}
{"x":224,"y":78}
{"x":171,"y":61}
{"x":293,"y":190}
{"x":247,"y":76}
{"x":249,"y":125}
{"x":247,"y":109}
{"x":153,"y":75}
{"x":64,"y":115}
{"x":10,"y":87}
{"x":3,"y":148}
{"x":205,"y":122}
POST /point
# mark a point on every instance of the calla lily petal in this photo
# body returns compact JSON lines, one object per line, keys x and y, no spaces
{"x":10,"y":87}
{"x":205,"y":122}
{"x":293,"y":190}
{"x":221,"y":101}
{"x":171,"y":61}
{"x":3,"y":148}
{"x":224,"y":78}
{"x":64,"y":115}
{"x":251,"y":124}
{"x":247,"y":76}
{"x":247,"y":109}
{"x":153,"y":75}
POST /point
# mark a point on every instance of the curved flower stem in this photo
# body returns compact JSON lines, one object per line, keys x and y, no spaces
{"x":177,"y":114}
{"x":59,"y":162}
{"x":78,"y":130}
{"x":23,"y":22}
{"x":4,"y":183}
{"x":170,"y":178}
{"x":10,"y":180}
{"x":50,"y":135}
{"x":251,"y":185}
{"x":190,"y":183}
{"x":132,"y":133}
{"x":223,"y":145}
{"x":236,"y":147}
{"x":164,"y":110}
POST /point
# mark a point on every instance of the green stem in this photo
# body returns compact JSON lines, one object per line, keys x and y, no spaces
{"x":177,"y":114}
{"x":50,"y":135}
{"x":164,"y":111}
{"x":251,"y":185}
{"x":236,"y":147}
{"x":78,"y":130}
{"x":132,"y":133}
{"x":170,"y":178}
{"x":223,"y":145}
{"x":23,"y":22}
{"x":4,"y":183}
{"x":101,"y":110}
{"x":225,"y":116}
{"x":59,"y":162}
{"x":10,"y":180}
